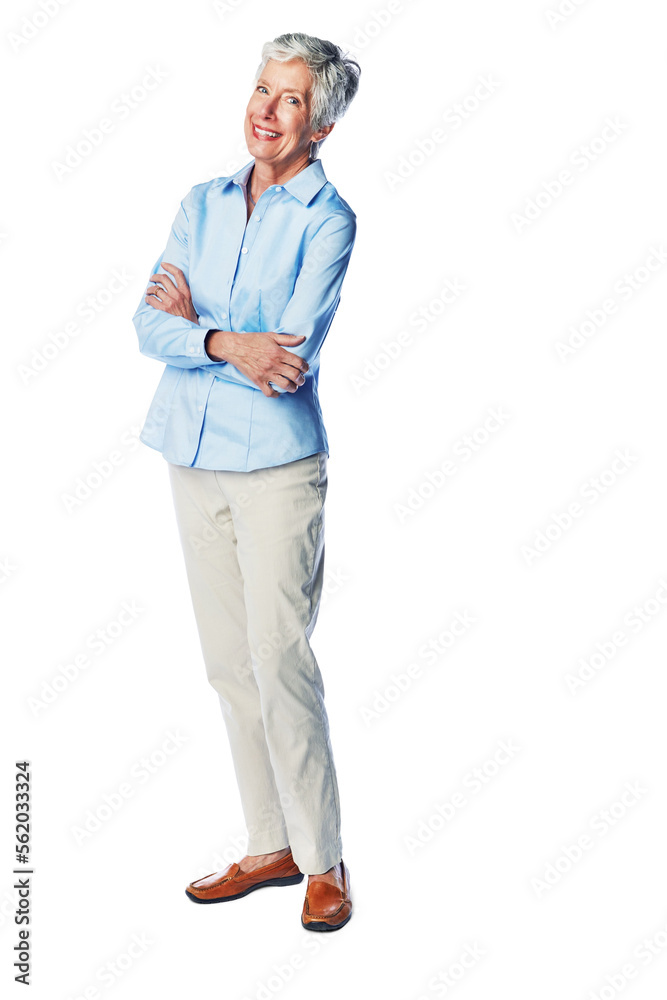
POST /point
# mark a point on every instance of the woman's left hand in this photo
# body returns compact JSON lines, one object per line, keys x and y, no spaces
{"x":172,"y":298}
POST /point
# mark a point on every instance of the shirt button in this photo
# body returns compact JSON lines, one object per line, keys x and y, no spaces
{"x":200,"y":408}
{"x":244,"y":249}
{"x":278,"y":189}
{"x":192,"y":350}
{"x":223,"y":315}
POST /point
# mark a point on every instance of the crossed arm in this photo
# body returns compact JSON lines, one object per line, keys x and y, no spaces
{"x":258,"y":356}
{"x":168,"y":327}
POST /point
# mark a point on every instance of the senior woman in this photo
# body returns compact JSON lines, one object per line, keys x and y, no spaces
{"x":250,"y":282}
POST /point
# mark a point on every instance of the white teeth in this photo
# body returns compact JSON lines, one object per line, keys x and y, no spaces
{"x":262,"y":131}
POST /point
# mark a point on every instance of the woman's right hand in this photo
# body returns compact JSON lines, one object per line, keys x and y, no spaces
{"x":260,"y":357}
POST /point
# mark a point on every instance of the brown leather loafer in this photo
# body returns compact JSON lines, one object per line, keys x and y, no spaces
{"x":232,"y":883}
{"x":327,"y":907}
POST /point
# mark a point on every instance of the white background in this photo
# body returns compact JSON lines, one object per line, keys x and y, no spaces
{"x":490,"y":877}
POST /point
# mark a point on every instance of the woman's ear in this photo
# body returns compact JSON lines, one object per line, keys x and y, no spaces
{"x":320,"y":134}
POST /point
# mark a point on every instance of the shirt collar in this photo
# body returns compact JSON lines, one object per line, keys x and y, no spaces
{"x":303,"y":185}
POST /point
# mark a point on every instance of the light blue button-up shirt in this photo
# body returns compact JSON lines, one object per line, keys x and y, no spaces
{"x":281,"y":271}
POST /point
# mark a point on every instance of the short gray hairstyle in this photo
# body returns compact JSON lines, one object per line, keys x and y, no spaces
{"x":334,"y":74}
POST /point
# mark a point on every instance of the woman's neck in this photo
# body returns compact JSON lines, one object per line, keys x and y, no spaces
{"x":263,"y":175}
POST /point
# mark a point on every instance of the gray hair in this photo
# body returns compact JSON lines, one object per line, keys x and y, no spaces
{"x":335,"y":76}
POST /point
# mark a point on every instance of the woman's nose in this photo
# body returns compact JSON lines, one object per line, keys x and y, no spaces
{"x":268,"y":108}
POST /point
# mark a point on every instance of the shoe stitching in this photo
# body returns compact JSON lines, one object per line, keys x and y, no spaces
{"x":344,"y":899}
{"x":324,"y":916}
{"x":230,"y":878}
{"x":213,"y":888}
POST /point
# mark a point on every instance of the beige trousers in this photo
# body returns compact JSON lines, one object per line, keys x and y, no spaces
{"x":253,"y":544}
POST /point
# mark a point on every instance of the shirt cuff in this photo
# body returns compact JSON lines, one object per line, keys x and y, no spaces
{"x":194,"y":345}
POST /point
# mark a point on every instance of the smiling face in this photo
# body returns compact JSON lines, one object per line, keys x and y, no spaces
{"x":280,"y":108}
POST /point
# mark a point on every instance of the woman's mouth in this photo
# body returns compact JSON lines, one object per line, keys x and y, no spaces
{"x":268,"y":135}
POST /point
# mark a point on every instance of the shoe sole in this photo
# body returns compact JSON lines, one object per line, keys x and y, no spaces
{"x":288,"y":880}
{"x":320,"y":925}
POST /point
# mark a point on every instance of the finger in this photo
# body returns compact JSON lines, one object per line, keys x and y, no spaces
{"x":297,"y":377}
{"x":158,"y":289}
{"x":291,"y":371}
{"x":280,"y":337}
{"x":152,"y":300}
{"x":177,"y":274}
{"x":289,"y":360}
{"x":164,"y":279}
{"x":288,"y":382}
